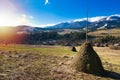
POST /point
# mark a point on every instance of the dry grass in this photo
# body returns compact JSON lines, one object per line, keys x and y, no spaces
{"x":113,"y":32}
{"x":24,"y":62}
{"x":109,"y":55}
{"x":114,"y":47}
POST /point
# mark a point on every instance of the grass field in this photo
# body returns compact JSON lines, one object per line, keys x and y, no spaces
{"x":113,"y":32}
{"x":34,"y":62}
{"x":97,"y":33}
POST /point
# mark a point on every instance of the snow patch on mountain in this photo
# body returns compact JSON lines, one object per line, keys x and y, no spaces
{"x":116,"y":15}
{"x":78,"y":20}
{"x":93,"y":19}
{"x":103,"y":27}
{"x":99,"y":18}
{"x":113,"y":17}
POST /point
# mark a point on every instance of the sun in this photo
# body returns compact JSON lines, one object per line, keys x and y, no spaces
{"x":14,"y":19}
{"x":7,"y":22}
{"x":6,"y":19}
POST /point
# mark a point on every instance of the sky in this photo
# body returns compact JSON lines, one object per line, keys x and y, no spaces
{"x":40,"y":13}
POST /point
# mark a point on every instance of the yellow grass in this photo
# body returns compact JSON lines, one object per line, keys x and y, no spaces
{"x":35,"y":62}
{"x":109,"y":55}
{"x":114,"y":32}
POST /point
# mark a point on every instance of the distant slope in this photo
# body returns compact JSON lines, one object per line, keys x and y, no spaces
{"x":113,"y":32}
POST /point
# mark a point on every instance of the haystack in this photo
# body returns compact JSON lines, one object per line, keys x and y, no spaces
{"x":87,"y":60}
{"x":73,"y":49}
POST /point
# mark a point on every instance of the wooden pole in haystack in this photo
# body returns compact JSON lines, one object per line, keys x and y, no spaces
{"x":87,"y":60}
{"x":86,"y":25}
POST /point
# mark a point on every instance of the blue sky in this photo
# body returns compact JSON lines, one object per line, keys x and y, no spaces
{"x":46,"y":12}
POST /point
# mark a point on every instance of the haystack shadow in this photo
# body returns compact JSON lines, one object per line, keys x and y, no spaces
{"x":113,"y":75}
{"x":109,"y":74}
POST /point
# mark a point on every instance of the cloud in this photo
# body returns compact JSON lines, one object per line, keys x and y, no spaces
{"x":31,"y":17}
{"x":46,"y":2}
{"x":7,"y":19}
{"x":27,"y":16}
{"x":24,"y":20}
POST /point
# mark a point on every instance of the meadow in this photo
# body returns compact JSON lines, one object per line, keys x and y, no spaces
{"x":112,"y":32}
{"x":38,"y":62}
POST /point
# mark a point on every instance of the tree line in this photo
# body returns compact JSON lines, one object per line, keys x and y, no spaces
{"x":52,"y":37}
{"x":39,"y":38}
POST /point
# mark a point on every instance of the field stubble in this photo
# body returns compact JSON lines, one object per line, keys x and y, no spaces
{"x":24,"y":62}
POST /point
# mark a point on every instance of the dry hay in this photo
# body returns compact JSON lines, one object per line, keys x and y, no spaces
{"x":73,"y":49}
{"x":87,"y":61}
{"x":114,"y":47}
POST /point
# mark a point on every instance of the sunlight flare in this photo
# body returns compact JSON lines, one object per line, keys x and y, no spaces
{"x":6,"y":33}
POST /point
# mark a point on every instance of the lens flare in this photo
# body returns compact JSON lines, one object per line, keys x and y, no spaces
{"x":10,"y":35}
{"x":6,"y":33}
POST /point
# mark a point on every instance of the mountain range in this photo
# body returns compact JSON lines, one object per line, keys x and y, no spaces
{"x":94,"y":23}
{"x":100,"y":22}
